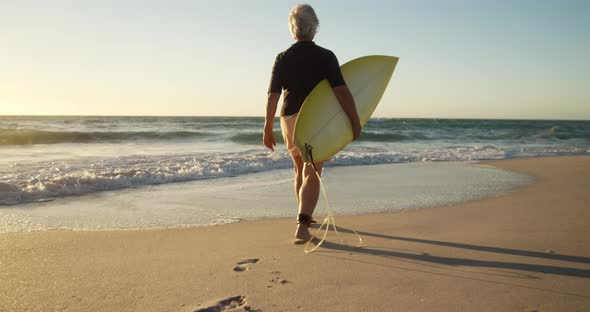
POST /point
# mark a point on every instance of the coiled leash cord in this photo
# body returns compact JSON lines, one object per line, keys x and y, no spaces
{"x":329,"y":220}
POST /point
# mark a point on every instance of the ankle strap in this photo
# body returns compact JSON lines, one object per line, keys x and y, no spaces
{"x":304,"y":219}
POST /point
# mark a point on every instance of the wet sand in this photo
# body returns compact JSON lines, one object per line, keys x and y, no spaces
{"x":528,"y":250}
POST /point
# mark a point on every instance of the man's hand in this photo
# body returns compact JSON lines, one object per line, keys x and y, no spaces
{"x":269,"y":139}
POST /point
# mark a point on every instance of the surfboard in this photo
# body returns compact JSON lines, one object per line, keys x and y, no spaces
{"x":322,"y":125}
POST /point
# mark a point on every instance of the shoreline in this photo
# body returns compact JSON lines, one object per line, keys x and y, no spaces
{"x":32,"y":203}
{"x":522,"y":251}
{"x":351,"y":190}
{"x":487,"y":163}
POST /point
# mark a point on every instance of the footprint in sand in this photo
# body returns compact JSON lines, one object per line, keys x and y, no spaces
{"x":245,"y":264}
{"x":277,"y":279}
{"x":235,"y":303}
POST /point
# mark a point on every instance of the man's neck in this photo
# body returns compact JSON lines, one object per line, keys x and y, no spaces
{"x":304,"y":39}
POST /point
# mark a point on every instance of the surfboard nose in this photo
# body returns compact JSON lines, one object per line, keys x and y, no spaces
{"x":373,"y":64}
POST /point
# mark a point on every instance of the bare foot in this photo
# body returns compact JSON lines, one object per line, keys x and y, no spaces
{"x":302,"y":234}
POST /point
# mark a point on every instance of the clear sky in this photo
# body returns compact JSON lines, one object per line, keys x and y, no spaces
{"x":458,"y":59}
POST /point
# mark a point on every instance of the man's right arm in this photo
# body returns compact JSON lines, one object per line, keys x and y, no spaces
{"x":348,"y":105}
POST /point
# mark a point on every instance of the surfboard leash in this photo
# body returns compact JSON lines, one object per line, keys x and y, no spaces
{"x":329,"y":219}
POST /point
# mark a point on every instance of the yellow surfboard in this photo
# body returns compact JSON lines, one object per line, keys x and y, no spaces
{"x":322,"y":125}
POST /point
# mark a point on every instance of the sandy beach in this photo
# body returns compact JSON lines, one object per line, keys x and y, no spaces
{"x":148,"y":156}
{"x":528,"y":250}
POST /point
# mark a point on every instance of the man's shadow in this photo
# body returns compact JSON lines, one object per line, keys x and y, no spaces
{"x":424,"y":257}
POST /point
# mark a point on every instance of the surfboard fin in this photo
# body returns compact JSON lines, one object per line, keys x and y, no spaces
{"x":308,"y":150}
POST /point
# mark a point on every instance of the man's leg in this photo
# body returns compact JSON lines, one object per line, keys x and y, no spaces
{"x":308,"y":196}
{"x":298,"y":166}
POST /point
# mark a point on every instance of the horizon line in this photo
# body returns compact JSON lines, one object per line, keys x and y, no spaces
{"x":260,"y":116}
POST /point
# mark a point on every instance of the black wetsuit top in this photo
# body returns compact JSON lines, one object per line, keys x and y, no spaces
{"x":299,"y":69}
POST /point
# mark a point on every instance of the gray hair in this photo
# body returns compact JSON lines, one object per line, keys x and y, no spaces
{"x":303,"y":22}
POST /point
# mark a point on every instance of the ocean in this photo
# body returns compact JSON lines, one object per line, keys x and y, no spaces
{"x":43,"y":158}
